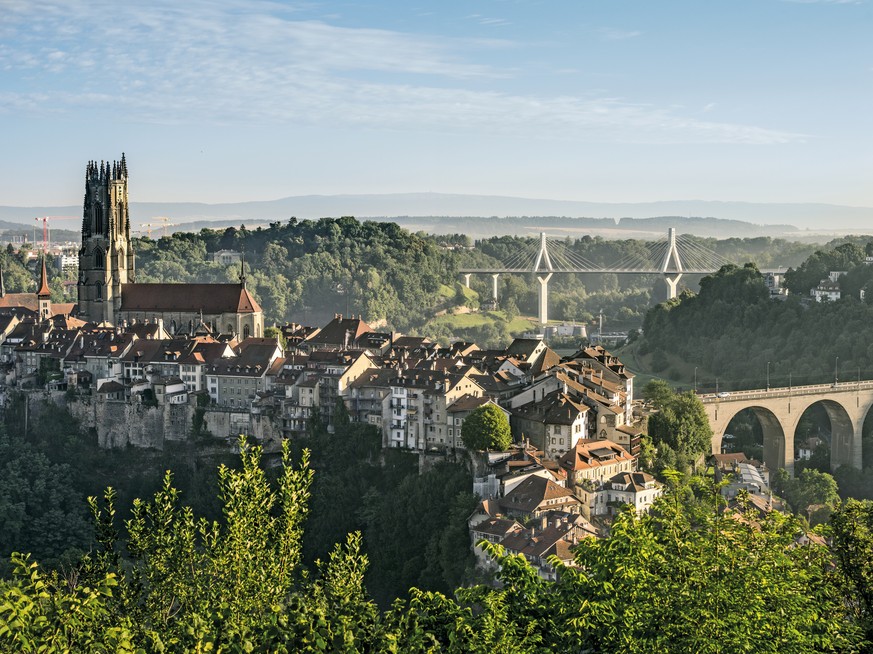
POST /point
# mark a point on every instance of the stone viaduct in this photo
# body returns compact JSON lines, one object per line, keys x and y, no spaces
{"x":779,"y":410}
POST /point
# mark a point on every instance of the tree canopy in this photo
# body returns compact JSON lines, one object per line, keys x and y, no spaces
{"x":693,"y":575}
{"x":486,"y":428}
{"x":678,"y":427}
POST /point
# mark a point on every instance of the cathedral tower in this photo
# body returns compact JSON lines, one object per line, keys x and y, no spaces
{"x":106,"y":259}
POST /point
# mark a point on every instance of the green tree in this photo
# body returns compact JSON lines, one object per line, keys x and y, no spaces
{"x":679,"y":423}
{"x":810,"y":488}
{"x":852,"y":532}
{"x":486,"y":428}
{"x":703,"y":579}
{"x":275,"y":332}
{"x":39,"y":508}
{"x":691,"y":576}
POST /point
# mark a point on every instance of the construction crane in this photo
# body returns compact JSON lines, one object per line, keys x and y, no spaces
{"x":165,"y":222}
{"x":145,"y":227}
{"x":45,"y":228}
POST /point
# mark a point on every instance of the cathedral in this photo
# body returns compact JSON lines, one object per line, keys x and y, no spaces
{"x":107,"y":288}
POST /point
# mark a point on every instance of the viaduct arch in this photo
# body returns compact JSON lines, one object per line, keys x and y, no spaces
{"x":779,"y":410}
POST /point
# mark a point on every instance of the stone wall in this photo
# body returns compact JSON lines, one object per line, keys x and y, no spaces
{"x":121,"y":424}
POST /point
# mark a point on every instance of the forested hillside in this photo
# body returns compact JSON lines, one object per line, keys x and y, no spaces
{"x":733,"y":335}
{"x":732,"y":328}
{"x":306,"y":271}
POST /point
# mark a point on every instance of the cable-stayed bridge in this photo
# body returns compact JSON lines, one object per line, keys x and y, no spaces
{"x":671,"y":257}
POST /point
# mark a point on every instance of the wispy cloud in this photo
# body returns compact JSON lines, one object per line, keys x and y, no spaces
{"x":485,"y":20}
{"x":233,"y":61}
{"x":610,"y":34}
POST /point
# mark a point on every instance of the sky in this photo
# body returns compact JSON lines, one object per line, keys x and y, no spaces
{"x":595,"y":100}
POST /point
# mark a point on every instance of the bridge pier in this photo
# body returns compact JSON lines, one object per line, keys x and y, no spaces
{"x":467,"y":279}
{"x":672,"y":280}
{"x":544,"y":298}
{"x":494,"y":277}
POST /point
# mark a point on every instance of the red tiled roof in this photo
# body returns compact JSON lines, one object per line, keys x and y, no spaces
{"x":533,"y":491}
{"x":591,"y":453}
{"x":209,"y":298}
{"x":23,"y":300}
{"x":337,"y":330}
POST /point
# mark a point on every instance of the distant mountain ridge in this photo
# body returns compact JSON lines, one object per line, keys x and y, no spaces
{"x":442,"y":211}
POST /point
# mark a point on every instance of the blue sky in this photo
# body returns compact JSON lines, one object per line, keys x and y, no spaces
{"x":599,"y":100}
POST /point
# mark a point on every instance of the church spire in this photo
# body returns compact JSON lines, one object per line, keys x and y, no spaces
{"x":2,"y":284}
{"x":44,"y":290}
{"x":242,"y":269}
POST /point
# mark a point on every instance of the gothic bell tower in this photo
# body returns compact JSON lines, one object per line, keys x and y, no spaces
{"x":106,"y":259}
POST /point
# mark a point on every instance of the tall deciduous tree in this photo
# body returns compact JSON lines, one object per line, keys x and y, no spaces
{"x":679,"y":422}
{"x":852,"y":529}
{"x":486,"y":428}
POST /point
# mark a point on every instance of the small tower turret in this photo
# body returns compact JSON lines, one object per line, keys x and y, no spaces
{"x":44,"y":293}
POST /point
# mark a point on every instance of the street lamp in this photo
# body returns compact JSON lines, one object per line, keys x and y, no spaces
{"x":837,"y":371}
{"x":695,"y":379}
{"x":768,"y":375}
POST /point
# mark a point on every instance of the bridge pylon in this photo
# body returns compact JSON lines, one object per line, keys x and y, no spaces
{"x":544,"y":298}
{"x":672,"y":271}
{"x":543,"y":259}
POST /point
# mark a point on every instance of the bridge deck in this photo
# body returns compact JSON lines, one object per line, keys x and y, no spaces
{"x":790,"y":391}
{"x":614,"y":271}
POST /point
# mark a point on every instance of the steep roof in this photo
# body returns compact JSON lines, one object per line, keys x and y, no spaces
{"x":632,"y":481}
{"x":209,"y":298}
{"x":338,"y":329}
{"x":590,"y":453}
{"x":28,"y":301}
{"x":556,"y":408}
{"x":467,"y":402}
{"x":44,"y":290}
{"x":499,"y":527}
{"x":533,"y":491}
